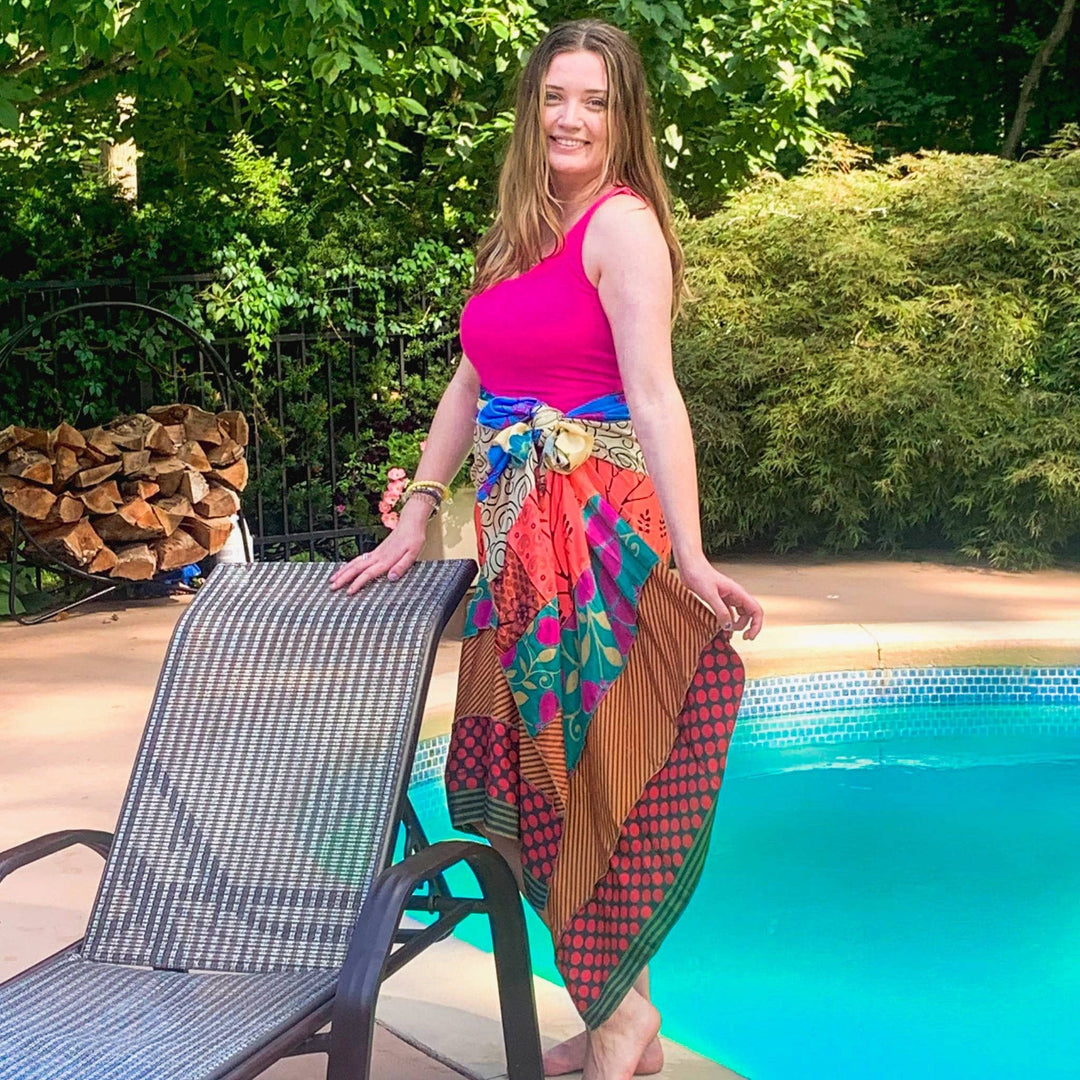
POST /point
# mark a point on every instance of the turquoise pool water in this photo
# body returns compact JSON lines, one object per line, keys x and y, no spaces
{"x":905,"y":908}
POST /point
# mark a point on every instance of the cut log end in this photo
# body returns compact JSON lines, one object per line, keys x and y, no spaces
{"x":11,"y":436}
{"x":76,"y":543}
{"x":210,"y":532}
{"x":103,"y":561}
{"x":100,"y":440}
{"x":30,"y":500}
{"x":219,"y":502}
{"x":134,"y":562}
{"x":139,"y":489}
{"x":172,"y":512}
{"x":102,"y":499}
{"x":133,"y":521}
{"x":202,"y":426}
{"x":235,"y":476}
{"x":29,"y":464}
{"x":90,"y":477}
{"x":180,"y":549}
{"x":65,"y":435}
{"x":193,"y":455}
{"x":235,"y":425}
{"x":67,"y":465}
{"x":193,"y":486}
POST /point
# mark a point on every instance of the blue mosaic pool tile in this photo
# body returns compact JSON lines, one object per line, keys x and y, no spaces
{"x":901,"y":687}
{"x":852,"y":706}
{"x":429,"y":760}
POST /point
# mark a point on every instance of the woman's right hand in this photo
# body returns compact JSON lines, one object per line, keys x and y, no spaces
{"x":393,"y":556}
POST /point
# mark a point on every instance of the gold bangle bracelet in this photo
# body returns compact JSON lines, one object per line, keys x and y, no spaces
{"x":434,"y":485}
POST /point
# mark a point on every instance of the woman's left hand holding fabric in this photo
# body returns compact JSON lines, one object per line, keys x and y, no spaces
{"x":725,"y":596}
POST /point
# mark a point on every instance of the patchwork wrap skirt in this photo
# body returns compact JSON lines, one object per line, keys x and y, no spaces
{"x":597,"y":694}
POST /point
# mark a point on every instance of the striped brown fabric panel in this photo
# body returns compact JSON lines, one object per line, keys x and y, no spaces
{"x":543,"y":763}
{"x":478,"y":685}
{"x":630,"y":736}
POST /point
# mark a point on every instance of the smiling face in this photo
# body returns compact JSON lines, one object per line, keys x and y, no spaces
{"x":575,"y":114}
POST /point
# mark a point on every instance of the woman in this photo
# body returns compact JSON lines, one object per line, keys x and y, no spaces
{"x":591,"y":765}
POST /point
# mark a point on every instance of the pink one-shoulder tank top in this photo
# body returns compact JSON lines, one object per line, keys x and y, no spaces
{"x":544,"y":334}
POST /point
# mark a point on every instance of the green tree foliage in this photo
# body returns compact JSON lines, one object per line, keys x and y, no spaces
{"x":889,"y":357}
{"x":376,"y":298}
{"x":946,"y":75}
{"x":325,"y":81}
{"x":409,"y":102}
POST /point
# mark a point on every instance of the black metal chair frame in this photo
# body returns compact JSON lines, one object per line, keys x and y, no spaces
{"x":371,"y":958}
{"x":22,"y":543}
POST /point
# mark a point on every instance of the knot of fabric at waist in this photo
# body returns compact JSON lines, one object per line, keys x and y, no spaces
{"x":564,"y":444}
{"x":531,"y":432}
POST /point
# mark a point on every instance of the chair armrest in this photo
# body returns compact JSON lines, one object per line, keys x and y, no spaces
{"x":380,"y":914}
{"x":32,"y":850}
{"x":369,"y":958}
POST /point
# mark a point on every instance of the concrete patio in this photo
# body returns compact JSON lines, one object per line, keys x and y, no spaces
{"x":75,"y":694}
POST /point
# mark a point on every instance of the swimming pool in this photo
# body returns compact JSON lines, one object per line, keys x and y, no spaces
{"x":901,"y":906}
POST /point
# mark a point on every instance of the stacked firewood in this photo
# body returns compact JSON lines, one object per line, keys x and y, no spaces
{"x":143,"y":495}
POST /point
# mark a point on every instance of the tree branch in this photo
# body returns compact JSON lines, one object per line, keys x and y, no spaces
{"x":87,"y":78}
{"x":27,"y":62}
{"x":1031,"y":80}
{"x":118,"y":63}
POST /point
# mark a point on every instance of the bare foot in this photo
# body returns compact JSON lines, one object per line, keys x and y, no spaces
{"x":613,"y":1050}
{"x":569,"y":1057}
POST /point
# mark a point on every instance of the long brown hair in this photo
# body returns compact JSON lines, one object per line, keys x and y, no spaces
{"x":527,"y":203}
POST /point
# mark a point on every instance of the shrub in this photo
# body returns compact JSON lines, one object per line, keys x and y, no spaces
{"x":889,"y":357}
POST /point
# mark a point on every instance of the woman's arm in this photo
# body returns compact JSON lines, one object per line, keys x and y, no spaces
{"x":451,"y":435}
{"x":635,"y":291}
{"x":448,"y":444}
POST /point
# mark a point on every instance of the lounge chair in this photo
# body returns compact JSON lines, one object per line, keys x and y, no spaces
{"x":248,"y":897}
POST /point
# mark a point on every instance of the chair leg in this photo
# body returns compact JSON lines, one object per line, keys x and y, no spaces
{"x":352,"y":1032}
{"x":513,"y":970}
{"x":353,"y":1027}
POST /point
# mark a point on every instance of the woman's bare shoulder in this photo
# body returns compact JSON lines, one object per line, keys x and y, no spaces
{"x":623,"y":227}
{"x":622,"y":219}
{"x":625,"y":202}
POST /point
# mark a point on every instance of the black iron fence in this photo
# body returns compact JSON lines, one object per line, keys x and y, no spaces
{"x":318,"y":397}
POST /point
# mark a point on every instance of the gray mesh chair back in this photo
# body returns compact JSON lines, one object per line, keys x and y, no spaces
{"x":267,"y":788}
